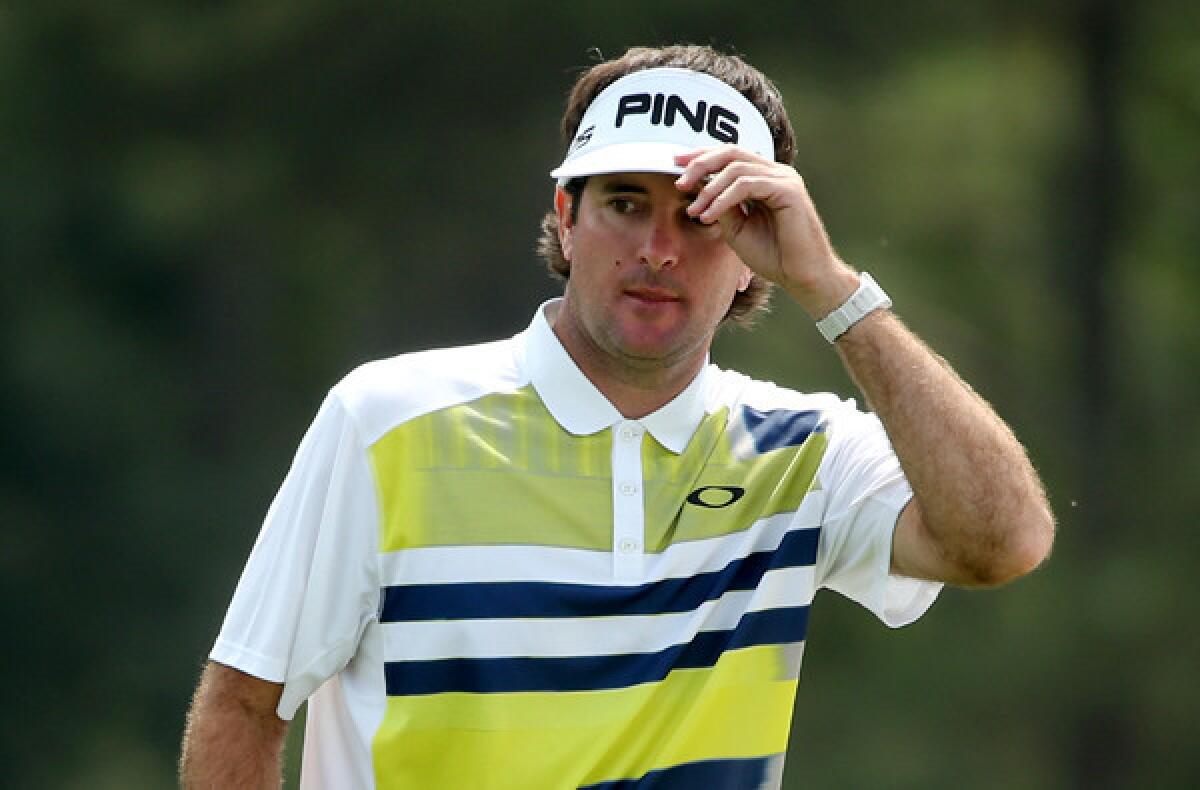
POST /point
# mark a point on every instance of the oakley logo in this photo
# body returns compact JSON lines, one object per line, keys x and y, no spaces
{"x":716,"y":496}
{"x":717,"y":121}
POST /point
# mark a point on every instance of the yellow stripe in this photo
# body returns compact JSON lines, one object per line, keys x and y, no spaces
{"x":500,"y":470}
{"x":739,"y":708}
{"x":774,"y":482}
{"x":521,"y":430}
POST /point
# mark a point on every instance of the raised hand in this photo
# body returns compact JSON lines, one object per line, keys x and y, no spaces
{"x":768,"y":218}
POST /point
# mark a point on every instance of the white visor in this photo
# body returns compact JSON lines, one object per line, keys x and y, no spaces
{"x":643,"y":120}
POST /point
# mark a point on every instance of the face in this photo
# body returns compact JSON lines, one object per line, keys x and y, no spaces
{"x":648,"y":283}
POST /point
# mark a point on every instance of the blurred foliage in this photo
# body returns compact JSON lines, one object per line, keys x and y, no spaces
{"x":209,"y":212}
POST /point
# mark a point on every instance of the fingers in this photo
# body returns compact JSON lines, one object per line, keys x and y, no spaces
{"x":704,"y":162}
{"x":733,"y":186}
{"x":729,"y":177}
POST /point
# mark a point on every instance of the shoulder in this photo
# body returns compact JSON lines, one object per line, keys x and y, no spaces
{"x":737,"y":391}
{"x":854,"y":448}
{"x":775,"y":416}
{"x":384,"y":393}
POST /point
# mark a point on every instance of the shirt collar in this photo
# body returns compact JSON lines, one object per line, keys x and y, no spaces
{"x":582,"y":409}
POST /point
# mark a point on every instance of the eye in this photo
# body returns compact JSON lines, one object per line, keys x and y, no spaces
{"x":622,"y":205}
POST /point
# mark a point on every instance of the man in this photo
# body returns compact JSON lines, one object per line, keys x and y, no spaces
{"x":583,"y":556}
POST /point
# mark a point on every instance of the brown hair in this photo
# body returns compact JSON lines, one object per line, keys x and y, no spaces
{"x":730,"y":69}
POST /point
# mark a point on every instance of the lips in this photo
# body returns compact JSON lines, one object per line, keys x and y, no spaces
{"x":651,"y":294}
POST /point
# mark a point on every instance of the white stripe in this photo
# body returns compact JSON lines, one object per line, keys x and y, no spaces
{"x":591,"y":636}
{"x":785,"y":587}
{"x":457,"y":564}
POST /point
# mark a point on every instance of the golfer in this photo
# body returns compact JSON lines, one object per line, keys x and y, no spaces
{"x":584,"y":556}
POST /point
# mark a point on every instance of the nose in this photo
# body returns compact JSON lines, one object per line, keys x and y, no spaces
{"x":661,"y":243}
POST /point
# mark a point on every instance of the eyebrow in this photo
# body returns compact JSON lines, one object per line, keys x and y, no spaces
{"x":613,"y":187}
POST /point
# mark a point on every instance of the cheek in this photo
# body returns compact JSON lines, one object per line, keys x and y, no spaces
{"x":732,"y":280}
{"x":602,"y":249}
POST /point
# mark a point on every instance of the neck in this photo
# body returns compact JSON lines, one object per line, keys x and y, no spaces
{"x":635,"y":387}
{"x":637,"y":393}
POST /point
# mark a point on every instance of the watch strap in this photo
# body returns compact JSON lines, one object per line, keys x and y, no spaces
{"x":868,"y":298}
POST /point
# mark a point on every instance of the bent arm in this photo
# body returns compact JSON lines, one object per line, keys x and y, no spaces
{"x":979,"y":516}
{"x":233,"y":736}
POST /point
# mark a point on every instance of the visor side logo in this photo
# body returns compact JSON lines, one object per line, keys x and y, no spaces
{"x":583,"y":138}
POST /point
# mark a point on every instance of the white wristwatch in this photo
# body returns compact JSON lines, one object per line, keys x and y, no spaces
{"x":868,"y":298}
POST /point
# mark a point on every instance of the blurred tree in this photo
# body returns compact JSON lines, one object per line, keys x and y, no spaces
{"x":210,"y":212}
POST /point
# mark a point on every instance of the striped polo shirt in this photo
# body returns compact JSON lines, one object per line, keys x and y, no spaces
{"x":481,"y":575}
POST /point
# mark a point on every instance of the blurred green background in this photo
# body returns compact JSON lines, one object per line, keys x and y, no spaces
{"x":211,"y":211}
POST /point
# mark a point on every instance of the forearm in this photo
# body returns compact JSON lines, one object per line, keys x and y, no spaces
{"x":980,"y":504}
{"x":231,"y":738}
{"x":980,"y":515}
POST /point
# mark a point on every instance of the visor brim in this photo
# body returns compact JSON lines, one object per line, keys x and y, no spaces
{"x":643,"y":157}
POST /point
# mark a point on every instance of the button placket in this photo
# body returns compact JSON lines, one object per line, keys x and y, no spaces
{"x":628,"y":511}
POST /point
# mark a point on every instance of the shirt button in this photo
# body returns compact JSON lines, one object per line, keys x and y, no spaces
{"x":628,"y":546}
{"x":628,"y":489}
{"x":629,"y":433}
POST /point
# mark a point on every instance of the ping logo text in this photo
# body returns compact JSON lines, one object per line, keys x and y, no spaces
{"x":665,"y":109}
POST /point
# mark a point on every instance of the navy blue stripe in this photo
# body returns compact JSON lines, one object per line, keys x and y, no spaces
{"x":742,"y":774}
{"x":470,"y":601}
{"x":778,"y":428}
{"x":589,"y":673}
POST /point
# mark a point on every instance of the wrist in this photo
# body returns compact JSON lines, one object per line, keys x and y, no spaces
{"x":822,"y":295}
{"x":866,"y":299}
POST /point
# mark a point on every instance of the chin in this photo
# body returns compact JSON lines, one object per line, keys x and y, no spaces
{"x":656,"y":348}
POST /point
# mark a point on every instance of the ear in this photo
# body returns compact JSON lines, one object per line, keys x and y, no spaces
{"x":744,"y":279}
{"x":562,"y":208}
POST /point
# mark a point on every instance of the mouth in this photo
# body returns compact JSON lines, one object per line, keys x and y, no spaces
{"x":650,"y":295}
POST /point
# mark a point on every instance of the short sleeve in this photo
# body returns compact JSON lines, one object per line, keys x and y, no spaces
{"x":311,"y":583}
{"x":865,"y":490}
